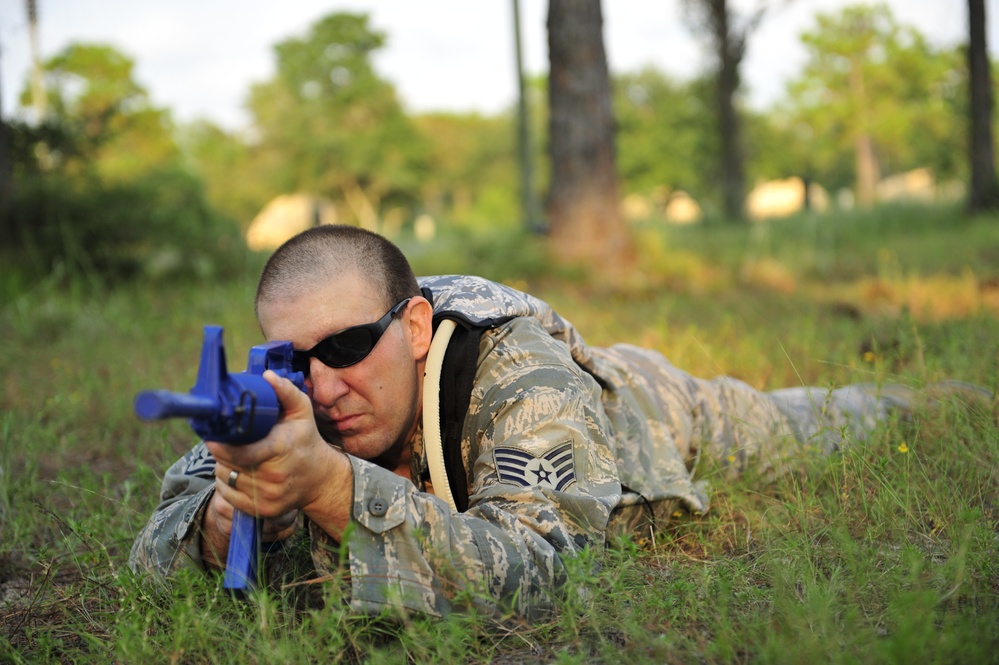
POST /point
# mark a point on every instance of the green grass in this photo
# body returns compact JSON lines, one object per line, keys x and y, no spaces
{"x":876,"y":555}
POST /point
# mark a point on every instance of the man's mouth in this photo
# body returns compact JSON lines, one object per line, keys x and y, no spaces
{"x":345,"y":423}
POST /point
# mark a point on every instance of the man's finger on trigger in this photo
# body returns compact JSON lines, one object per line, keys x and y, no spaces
{"x":292,"y":400}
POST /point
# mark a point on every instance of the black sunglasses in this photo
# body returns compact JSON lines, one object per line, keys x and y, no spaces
{"x":348,"y":346}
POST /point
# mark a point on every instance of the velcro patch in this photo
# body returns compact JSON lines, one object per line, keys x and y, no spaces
{"x":555,"y":468}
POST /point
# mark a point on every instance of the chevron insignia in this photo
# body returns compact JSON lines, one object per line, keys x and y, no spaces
{"x":554,"y":469}
{"x":199,"y":462}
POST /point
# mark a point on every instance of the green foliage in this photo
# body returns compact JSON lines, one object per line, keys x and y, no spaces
{"x":331,"y":126}
{"x":867,"y":75}
{"x":328,"y":124}
{"x":237,"y":176}
{"x":501,"y":253}
{"x":666,"y":134}
{"x":102,"y":117}
{"x":471,"y":179}
{"x":100,"y":193}
{"x":158,"y":225}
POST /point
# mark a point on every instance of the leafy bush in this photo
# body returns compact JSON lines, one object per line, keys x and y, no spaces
{"x":157,"y":225}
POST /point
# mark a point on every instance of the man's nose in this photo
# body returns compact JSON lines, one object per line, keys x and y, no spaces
{"x":326,"y":383}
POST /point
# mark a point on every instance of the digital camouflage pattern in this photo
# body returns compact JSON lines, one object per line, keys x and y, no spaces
{"x":564,"y":446}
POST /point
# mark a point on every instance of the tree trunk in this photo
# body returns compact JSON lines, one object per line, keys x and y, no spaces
{"x":730,"y":49}
{"x":360,"y":204}
{"x":6,"y":169}
{"x":528,"y":198}
{"x":984,"y":192}
{"x":866,"y":163}
{"x":867,"y":170}
{"x":582,"y":206}
{"x":38,"y":100}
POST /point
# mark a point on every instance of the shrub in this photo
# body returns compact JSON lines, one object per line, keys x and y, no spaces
{"x":156,"y":225}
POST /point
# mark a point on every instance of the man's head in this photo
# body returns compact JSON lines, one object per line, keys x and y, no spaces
{"x":322,"y":254}
{"x":331,"y":278}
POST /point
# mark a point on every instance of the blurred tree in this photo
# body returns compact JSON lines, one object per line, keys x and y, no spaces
{"x":102,"y":191}
{"x":728,"y":34}
{"x":666,"y":136}
{"x":331,"y":126}
{"x":984,"y":190}
{"x":584,"y":218}
{"x":37,"y":89}
{"x":98,"y":118}
{"x":471,"y":176}
{"x":6,"y":168}
{"x":236,"y":176}
{"x":873,"y":89}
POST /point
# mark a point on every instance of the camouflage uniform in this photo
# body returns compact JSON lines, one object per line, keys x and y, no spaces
{"x":564,"y":445}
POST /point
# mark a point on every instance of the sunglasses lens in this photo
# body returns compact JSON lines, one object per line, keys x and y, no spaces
{"x":346,"y":348}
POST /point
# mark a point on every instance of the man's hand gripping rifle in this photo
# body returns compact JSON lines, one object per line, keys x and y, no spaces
{"x":237,"y":408}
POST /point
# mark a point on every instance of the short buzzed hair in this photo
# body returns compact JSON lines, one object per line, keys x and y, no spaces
{"x":326,"y":253}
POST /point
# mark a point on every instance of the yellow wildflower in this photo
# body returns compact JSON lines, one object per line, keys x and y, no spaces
{"x":869,"y":356}
{"x":902,"y":448}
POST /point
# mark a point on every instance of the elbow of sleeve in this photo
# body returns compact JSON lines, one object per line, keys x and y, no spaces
{"x":171,"y":540}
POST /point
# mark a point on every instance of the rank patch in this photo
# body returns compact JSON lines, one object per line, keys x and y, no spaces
{"x":199,"y":462}
{"x":554,"y":469}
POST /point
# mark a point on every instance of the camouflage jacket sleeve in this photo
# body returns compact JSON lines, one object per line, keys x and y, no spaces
{"x":542,"y":484}
{"x":170,"y":541}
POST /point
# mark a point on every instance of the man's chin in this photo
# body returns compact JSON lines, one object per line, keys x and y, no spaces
{"x":368,"y":447}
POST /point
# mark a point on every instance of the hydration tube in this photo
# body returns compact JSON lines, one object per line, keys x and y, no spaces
{"x":433,"y":444}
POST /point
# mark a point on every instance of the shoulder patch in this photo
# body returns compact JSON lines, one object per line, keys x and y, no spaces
{"x":199,"y":462}
{"x":555,"y":468}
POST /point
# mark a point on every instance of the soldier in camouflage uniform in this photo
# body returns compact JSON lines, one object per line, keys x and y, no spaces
{"x":563,"y":446}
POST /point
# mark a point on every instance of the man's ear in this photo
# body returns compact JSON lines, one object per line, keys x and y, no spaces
{"x":420,"y":316}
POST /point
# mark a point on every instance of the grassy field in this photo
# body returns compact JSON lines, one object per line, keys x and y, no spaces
{"x":887,"y":553}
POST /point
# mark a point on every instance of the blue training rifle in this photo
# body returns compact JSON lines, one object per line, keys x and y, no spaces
{"x":234,"y":408}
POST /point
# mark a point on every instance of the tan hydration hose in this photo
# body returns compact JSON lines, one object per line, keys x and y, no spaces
{"x":433,"y":445}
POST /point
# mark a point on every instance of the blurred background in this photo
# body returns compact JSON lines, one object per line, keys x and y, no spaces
{"x":154,"y":139}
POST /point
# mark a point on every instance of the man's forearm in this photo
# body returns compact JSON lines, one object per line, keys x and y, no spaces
{"x":171,"y":539}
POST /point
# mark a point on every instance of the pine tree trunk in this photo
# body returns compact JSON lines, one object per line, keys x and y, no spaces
{"x":6,"y":170}
{"x":585,"y":223}
{"x":984,"y":191}
{"x":730,"y":49}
